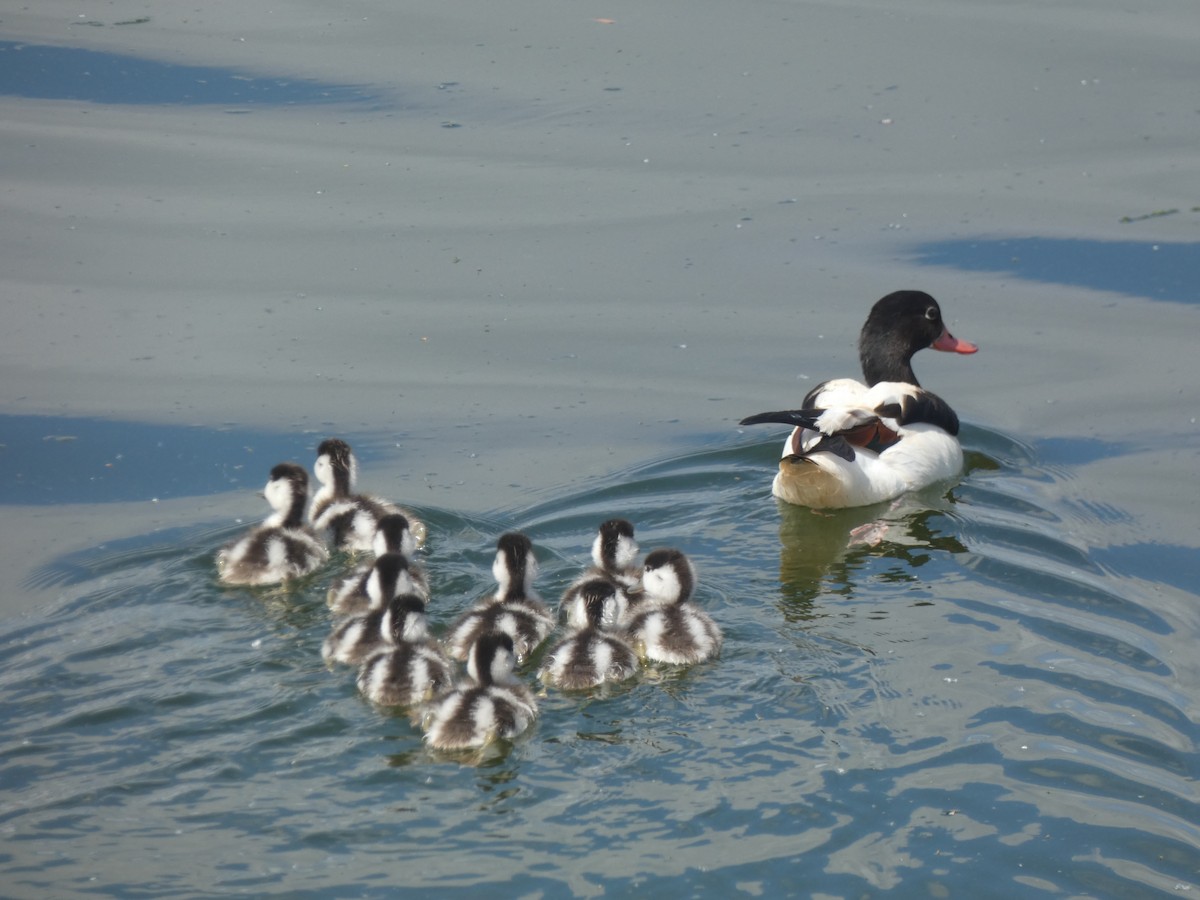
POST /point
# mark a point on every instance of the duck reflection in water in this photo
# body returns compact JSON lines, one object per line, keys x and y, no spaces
{"x":823,"y":551}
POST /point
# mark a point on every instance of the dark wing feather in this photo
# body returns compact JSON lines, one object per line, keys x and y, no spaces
{"x":922,"y":406}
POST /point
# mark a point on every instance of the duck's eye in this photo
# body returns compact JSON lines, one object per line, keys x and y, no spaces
{"x":931,"y":313}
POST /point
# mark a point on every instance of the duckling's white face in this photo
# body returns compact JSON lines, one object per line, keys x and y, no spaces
{"x":279,"y":493}
{"x":663,"y":584}
{"x":323,"y":469}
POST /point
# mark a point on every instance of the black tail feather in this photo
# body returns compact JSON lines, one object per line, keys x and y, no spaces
{"x":805,"y":418}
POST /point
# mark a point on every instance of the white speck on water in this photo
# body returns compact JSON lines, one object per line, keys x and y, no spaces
{"x":256,"y":643}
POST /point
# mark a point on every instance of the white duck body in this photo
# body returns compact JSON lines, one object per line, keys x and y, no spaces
{"x":856,"y":443}
{"x":923,"y":453}
{"x":492,"y":704}
{"x":281,"y":548}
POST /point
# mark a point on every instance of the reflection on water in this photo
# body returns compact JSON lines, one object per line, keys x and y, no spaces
{"x":1160,"y":271}
{"x":926,"y":696}
{"x":69,"y":73}
{"x":821,"y":551}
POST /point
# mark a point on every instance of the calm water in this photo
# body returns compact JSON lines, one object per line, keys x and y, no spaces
{"x":521,"y":251}
{"x":975,"y":704}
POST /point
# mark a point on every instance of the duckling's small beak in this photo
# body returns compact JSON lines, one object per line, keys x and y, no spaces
{"x":950,"y":344}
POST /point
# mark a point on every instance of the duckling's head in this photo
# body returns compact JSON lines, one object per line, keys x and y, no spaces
{"x":492,"y":659}
{"x":406,"y":618}
{"x":515,"y":566}
{"x":614,"y":548}
{"x":603,"y":604}
{"x":389,"y":578}
{"x":336,"y":466}
{"x":668,"y":576}
{"x":286,"y":491}
{"x":393,"y":534}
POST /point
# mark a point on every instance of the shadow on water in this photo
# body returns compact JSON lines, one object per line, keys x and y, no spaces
{"x":43,"y":72}
{"x":1159,"y":271}
{"x":52,"y":460}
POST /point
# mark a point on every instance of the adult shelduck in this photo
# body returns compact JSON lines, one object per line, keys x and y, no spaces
{"x":855,"y":444}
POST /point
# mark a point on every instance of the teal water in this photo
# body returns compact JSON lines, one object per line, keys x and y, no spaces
{"x":966,"y":699}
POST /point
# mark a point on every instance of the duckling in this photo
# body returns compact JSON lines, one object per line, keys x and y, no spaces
{"x":351,"y":519}
{"x":613,"y":605}
{"x":394,"y":617}
{"x":613,"y":554}
{"x":281,"y":548}
{"x":592,"y":656}
{"x":410,"y":674}
{"x":514,"y":608}
{"x":665,"y":626}
{"x":614,"y":551}
{"x":350,"y":597}
{"x":491,"y":705}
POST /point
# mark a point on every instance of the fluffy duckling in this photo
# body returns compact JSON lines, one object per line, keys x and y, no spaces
{"x":350,"y":596}
{"x":665,"y":626}
{"x":613,"y":553}
{"x":612,"y":603}
{"x":410,"y":674}
{"x":592,"y":656}
{"x":281,"y":547}
{"x":394,"y":617}
{"x":514,"y":609}
{"x":350,"y":519}
{"x":491,"y":705}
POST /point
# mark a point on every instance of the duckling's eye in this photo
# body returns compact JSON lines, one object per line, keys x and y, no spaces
{"x":931,"y":313}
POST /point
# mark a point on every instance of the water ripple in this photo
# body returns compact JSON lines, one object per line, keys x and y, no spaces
{"x":966,"y":696}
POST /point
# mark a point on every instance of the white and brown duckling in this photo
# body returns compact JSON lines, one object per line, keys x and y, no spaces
{"x":492,"y":704}
{"x":410,"y":674}
{"x":614,"y":552}
{"x":593,"y":654}
{"x":350,"y":519}
{"x":665,"y":626}
{"x":349,"y":596}
{"x":514,"y":609}
{"x":394,"y":617}
{"x":282,"y":547}
{"x":579,"y":606}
